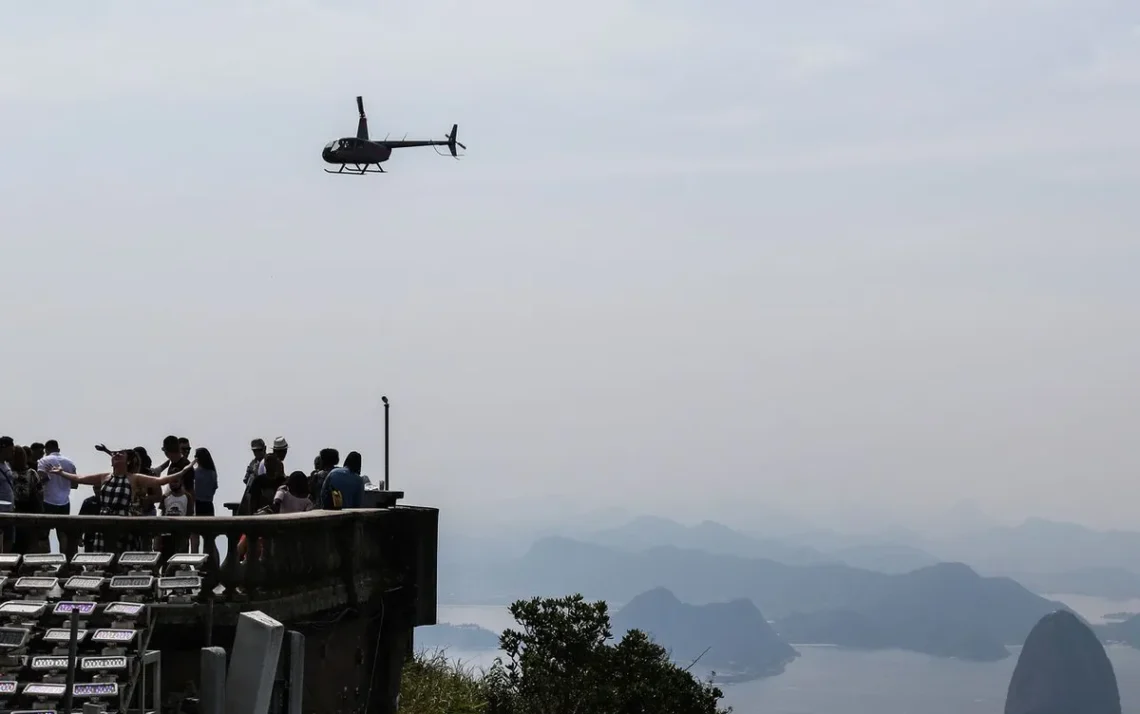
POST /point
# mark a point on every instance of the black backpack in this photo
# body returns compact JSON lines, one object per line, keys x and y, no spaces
{"x":28,"y":493}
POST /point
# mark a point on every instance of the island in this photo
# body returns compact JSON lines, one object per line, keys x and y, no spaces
{"x":730,"y":638}
{"x":447,"y":636}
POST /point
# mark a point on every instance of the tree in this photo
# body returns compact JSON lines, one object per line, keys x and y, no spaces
{"x":561,"y":661}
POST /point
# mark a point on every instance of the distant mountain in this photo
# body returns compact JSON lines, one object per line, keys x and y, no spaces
{"x":651,"y":531}
{"x":884,"y":557}
{"x":732,"y":638}
{"x":814,"y":548}
{"x":946,"y":610}
{"x":836,"y":604}
{"x":1041,"y":546}
{"x":1098,"y":581}
{"x":1062,"y":669}
{"x":461,"y":637}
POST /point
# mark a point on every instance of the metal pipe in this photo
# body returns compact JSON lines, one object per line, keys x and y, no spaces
{"x":385,"y":400}
{"x":72,"y":655}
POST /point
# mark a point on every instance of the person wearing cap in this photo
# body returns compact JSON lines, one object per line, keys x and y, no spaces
{"x":280,"y":449}
{"x":257,"y":446}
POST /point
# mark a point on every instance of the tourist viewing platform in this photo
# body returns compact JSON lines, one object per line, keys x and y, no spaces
{"x":353,"y":582}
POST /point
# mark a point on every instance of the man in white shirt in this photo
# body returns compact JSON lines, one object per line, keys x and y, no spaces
{"x":57,"y":488}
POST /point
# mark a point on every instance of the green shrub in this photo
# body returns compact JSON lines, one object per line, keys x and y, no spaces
{"x":560,"y":661}
{"x":434,"y":685}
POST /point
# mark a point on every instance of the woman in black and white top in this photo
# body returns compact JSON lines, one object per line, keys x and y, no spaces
{"x":114,"y":490}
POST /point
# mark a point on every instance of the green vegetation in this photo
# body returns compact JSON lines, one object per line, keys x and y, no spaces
{"x":560,"y":660}
{"x":433,"y":685}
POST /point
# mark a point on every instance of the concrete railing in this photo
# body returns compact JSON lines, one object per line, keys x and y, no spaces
{"x":296,"y":564}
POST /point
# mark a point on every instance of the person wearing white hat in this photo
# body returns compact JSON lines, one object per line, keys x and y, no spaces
{"x":280,"y":449}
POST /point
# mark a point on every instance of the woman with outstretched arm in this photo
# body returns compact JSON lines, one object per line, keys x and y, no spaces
{"x":114,"y":490}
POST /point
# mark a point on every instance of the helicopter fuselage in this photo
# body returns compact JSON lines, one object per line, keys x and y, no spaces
{"x":351,"y":150}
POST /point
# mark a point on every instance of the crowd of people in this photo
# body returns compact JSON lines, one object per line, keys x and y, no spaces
{"x":38,"y":478}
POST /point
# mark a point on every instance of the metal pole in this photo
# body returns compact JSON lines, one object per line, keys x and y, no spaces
{"x":385,"y":400}
{"x":72,"y":654}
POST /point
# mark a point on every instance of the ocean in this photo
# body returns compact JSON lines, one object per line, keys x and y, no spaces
{"x":832,"y":680}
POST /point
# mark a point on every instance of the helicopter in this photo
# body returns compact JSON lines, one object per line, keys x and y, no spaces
{"x":361,"y":152}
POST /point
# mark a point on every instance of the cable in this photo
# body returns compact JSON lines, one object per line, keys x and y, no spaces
{"x":375,"y":658}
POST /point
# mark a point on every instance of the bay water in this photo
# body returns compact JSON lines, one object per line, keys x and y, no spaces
{"x":834,"y":680}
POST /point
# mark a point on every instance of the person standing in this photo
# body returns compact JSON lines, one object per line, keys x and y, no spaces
{"x":343,"y":486}
{"x":280,"y":451}
{"x":176,"y":502}
{"x":28,"y":497}
{"x":57,"y":489}
{"x":114,"y":490}
{"x":178,"y":462}
{"x":7,"y":486}
{"x":257,"y":446}
{"x":205,"y":487}
{"x":327,"y":460}
{"x":205,"y":482}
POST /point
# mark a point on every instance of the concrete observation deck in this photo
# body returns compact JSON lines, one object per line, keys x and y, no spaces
{"x":354,"y":582}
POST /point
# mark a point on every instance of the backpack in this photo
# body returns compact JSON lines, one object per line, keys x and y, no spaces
{"x":317,"y":482}
{"x":28,"y":493}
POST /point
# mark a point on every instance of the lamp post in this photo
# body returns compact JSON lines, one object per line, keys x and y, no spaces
{"x":385,"y":400}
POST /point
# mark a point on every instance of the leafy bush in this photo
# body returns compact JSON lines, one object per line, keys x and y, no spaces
{"x":561,"y":661}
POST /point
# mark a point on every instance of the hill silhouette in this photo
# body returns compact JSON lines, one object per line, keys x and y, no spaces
{"x":463,"y":637}
{"x":1039,"y":545}
{"x":712,"y":537}
{"x":945,"y":610}
{"x":1062,"y":669}
{"x":732,"y":638}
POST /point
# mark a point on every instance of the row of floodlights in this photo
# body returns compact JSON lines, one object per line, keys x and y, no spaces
{"x":99,"y":663}
{"x":145,"y":559}
{"x":52,"y":690}
{"x":91,"y":583}
{"x":33,"y":609}
{"x":16,"y":637}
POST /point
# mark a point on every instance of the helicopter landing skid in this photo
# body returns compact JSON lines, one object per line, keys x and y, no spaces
{"x":358,"y":171}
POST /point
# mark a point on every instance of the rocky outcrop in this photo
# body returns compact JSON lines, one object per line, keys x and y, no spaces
{"x":1063,"y":669}
{"x":732,"y":638}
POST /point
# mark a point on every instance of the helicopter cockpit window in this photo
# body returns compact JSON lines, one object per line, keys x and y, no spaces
{"x":332,"y":145}
{"x":344,"y":143}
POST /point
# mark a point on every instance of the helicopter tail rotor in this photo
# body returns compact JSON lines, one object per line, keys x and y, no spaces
{"x":452,"y":143}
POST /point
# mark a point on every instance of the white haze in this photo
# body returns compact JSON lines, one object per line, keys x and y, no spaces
{"x":843,"y":260}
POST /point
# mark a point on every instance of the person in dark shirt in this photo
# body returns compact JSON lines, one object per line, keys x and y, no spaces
{"x":257,"y":446}
{"x":344,"y":488}
{"x":177,"y":462}
{"x":265,"y":484}
{"x":327,"y":460}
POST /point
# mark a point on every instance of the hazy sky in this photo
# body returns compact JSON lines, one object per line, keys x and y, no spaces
{"x":823,"y":256}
